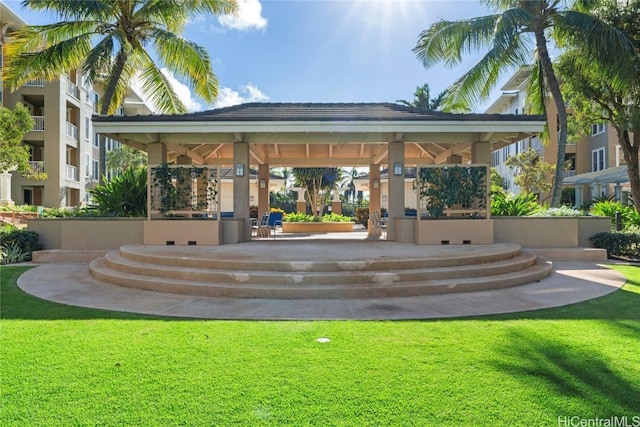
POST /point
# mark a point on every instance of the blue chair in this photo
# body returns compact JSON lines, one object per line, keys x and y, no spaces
{"x":275,"y":219}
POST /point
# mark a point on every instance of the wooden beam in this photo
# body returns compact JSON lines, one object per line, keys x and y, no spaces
{"x":456,"y":149}
{"x":180,"y":149}
{"x":379,"y":154}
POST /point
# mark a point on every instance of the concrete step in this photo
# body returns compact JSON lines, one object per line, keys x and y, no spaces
{"x":322,"y":260}
{"x":116,"y":261}
{"x":535,"y":272}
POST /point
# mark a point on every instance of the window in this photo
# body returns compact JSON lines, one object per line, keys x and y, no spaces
{"x":597,"y":160}
{"x":495,"y":158}
{"x":597,"y":129}
{"x":96,"y":140}
{"x":96,"y":170}
{"x":87,"y":127}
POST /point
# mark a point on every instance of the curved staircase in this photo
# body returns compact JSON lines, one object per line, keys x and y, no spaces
{"x":325,"y":270}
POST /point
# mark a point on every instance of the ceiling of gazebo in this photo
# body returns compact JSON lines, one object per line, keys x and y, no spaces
{"x":319,"y":134}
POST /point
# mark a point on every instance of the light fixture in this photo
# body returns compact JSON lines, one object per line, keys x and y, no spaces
{"x":263,"y":183}
{"x":376,"y":183}
{"x":397,"y":168}
{"x":384,"y":198}
{"x":239,"y":169}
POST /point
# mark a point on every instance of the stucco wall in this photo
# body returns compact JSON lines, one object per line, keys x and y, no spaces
{"x":87,"y":233}
{"x":549,"y":232}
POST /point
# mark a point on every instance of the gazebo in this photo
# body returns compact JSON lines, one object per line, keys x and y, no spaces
{"x":266,"y":135}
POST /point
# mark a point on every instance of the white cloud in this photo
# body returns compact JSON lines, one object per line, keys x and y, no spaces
{"x":249,"y":16}
{"x":248,"y":93}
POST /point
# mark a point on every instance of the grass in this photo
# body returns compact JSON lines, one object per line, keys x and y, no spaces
{"x":63,"y":365}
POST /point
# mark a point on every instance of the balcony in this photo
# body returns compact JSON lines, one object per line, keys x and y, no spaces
{"x":37,"y":167}
{"x":72,"y":131}
{"x":73,"y":90}
{"x":35,"y":83}
{"x":569,"y":173}
{"x":71,"y":173}
{"x":38,"y":123}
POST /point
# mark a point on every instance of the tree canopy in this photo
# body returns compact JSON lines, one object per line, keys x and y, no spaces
{"x":318,"y":182}
{"x":422,"y":99}
{"x":507,"y":37}
{"x":594,"y":98}
{"x":14,"y":125}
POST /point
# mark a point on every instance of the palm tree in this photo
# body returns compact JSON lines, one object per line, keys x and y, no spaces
{"x":110,"y":41}
{"x":507,"y":36}
{"x":422,"y":99}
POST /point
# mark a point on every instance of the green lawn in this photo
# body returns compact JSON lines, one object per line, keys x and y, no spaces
{"x":68,"y":366}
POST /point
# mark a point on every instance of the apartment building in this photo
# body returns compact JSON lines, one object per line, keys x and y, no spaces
{"x":598,"y":151}
{"x":62,"y":143}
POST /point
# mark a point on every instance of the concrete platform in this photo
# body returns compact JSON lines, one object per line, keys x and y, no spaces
{"x":72,"y":283}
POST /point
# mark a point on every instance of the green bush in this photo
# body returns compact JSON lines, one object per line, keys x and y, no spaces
{"x":298,"y":217}
{"x":618,"y":244}
{"x":334,"y":217}
{"x":520,"y":205}
{"x":18,"y":244}
{"x":628,"y":215}
{"x":125,"y":195}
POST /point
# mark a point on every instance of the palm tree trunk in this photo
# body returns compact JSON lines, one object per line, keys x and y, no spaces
{"x":553,"y":86}
{"x":107,"y":98}
{"x":630,"y":152}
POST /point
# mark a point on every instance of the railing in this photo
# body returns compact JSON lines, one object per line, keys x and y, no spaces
{"x":569,"y":173}
{"x":72,"y":89}
{"x":37,"y":167}
{"x":72,"y":131}
{"x":35,"y":82}
{"x":71,"y":173}
{"x":38,"y":123}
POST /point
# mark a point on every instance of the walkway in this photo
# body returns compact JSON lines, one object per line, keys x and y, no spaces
{"x":72,"y":284}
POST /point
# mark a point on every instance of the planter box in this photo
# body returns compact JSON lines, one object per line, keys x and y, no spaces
{"x":549,"y":232}
{"x":182,"y":232}
{"x":454,"y":231}
{"x":317,"y":227}
{"x":87,"y":233}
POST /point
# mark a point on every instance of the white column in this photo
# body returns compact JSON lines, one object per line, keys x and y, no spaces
{"x":5,"y":189}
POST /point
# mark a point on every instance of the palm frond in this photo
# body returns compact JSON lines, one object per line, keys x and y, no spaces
{"x":72,"y":9}
{"x":476,"y":84}
{"x":599,"y":40}
{"x":188,"y":60}
{"x":446,"y":41}
{"x":157,"y":88}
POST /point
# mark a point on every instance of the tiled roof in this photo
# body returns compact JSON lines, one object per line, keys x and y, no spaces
{"x":261,"y":112}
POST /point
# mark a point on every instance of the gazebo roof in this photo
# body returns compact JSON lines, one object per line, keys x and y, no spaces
{"x":319,"y":134}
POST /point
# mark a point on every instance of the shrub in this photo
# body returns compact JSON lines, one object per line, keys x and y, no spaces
{"x":618,"y":244}
{"x":334,"y":217}
{"x":628,"y":215}
{"x":520,"y":205}
{"x":125,"y":195}
{"x":298,"y":217}
{"x":18,"y":244}
{"x":561,"y":211}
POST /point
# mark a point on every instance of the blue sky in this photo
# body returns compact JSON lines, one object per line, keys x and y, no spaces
{"x":318,"y":51}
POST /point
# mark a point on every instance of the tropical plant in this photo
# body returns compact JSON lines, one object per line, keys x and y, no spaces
{"x":442,"y":188}
{"x":14,"y":125}
{"x":509,"y":205}
{"x":506,"y":36}
{"x":422,"y":99}
{"x":560,"y":211}
{"x":628,"y":216}
{"x":111,"y":41}
{"x":125,"y":157}
{"x":334,"y":217}
{"x":125,"y":195}
{"x":318,"y":182}
{"x":532,"y":173}
{"x":298,"y":217}
{"x":348,"y":182}
{"x":17,"y":244}
{"x":593,"y":97}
